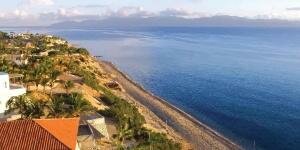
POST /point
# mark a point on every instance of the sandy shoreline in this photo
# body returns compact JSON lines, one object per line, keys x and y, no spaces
{"x":192,"y":130}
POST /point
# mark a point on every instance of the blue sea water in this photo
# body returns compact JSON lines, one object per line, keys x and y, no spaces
{"x":242,"y":82}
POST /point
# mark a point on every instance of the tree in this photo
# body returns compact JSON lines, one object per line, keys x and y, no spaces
{"x":18,"y":104}
{"x":68,"y":85}
{"x":4,"y":65}
{"x":77,"y":104}
{"x":153,"y":140}
{"x":125,"y":132}
{"x":56,"y":107}
{"x":68,"y":105}
{"x":36,"y":109}
{"x":3,"y":35}
{"x":44,"y":82}
{"x":25,"y":106}
{"x":53,"y":76}
{"x":36,"y":76}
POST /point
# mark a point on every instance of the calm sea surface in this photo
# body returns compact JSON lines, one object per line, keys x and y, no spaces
{"x":242,"y":82}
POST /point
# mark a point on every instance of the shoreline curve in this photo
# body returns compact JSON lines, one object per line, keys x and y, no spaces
{"x":211,"y":138}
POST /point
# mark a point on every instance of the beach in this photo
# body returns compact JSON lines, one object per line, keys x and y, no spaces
{"x":172,"y":118}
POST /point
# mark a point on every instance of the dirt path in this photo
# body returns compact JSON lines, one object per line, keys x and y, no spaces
{"x":195,"y":132}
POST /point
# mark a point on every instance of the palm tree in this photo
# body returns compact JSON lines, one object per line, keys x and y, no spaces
{"x":27,"y":77}
{"x":68,"y":85}
{"x":36,"y":109}
{"x":77,"y":104}
{"x":53,"y":76}
{"x":56,"y":107}
{"x":125,"y":132}
{"x":46,"y":65}
{"x":60,"y":64}
{"x":36,"y":77}
{"x":44,"y":82}
{"x":18,"y":104}
{"x":24,"y":106}
{"x":68,"y":105}
{"x":4,"y":66}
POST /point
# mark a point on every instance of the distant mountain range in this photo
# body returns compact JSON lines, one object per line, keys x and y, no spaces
{"x":215,"y":21}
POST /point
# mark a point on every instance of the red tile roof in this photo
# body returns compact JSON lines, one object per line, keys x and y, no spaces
{"x":38,"y":134}
{"x":63,"y":129}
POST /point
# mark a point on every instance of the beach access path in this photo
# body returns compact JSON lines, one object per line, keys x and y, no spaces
{"x":198,"y":134}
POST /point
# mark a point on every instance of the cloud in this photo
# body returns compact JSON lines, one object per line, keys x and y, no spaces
{"x":90,"y":6}
{"x":30,"y":3}
{"x":16,"y":14}
{"x":21,"y":16}
{"x":2,"y":15}
{"x":64,"y":14}
{"x":20,"y":13}
{"x":293,"y":9}
{"x":131,"y":12}
{"x":40,"y":2}
{"x":69,"y":12}
{"x":171,"y":12}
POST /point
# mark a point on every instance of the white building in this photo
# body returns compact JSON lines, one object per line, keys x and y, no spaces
{"x":19,"y":59}
{"x":98,"y":122}
{"x":92,"y":128}
{"x":7,"y":91}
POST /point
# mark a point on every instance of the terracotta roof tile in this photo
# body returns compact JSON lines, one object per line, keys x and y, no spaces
{"x":27,"y":135}
{"x":65,"y":130}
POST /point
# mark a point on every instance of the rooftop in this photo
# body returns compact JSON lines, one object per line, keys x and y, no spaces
{"x":90,"y":116}
{"x":63,"y":129}
{"x":46,"y":134}
{"x":16,"y":76}
{"x":15,"y":86}
{"x":3,"y":73}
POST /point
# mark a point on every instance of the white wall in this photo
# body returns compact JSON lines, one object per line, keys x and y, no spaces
{"x":6,"y":93}
{"x":99,"y":125}
{"x":4,"y":82}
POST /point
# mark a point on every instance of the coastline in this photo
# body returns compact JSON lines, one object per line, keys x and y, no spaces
{"x":199,"y":135}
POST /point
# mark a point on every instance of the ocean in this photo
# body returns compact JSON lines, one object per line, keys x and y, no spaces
{"x":242,"y":82}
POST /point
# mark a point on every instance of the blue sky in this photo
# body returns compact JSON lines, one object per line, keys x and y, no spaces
{"x":48,"y":11}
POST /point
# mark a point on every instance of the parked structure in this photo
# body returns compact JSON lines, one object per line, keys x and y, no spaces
{"x":8,"y":90}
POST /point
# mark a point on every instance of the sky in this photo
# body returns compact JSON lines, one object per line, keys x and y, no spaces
{"x":45,"y":12}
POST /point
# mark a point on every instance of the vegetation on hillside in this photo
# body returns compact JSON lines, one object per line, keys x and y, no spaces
{"x":42,"y":59}
{"x":130,"y":125}
{"x":58,"y":106}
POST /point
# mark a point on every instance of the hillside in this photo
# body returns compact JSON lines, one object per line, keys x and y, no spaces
{"x":214,"y":21}
{"x":65,"y":81}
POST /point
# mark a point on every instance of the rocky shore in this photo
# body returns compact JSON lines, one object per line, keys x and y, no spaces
{"x":176,"y":122}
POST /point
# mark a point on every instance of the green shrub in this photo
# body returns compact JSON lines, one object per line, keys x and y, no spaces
{"x":54,"y":53}
{"x":157,"y":141}
{"x":82,"y":51}
{"x":122,"y":111}
{"x":88,"y":78}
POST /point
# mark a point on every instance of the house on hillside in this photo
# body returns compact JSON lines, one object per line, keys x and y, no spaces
{"x":8,"y":90}
{"x":55,"y":40}
{"x":25,"y":36}
{"x":46,"y":53}
{"x":19,"y":59}
{"x":29,"y":45}
{"x":12,"y":34}
{"x":39,"y":134}
{"x":92,"y":127}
